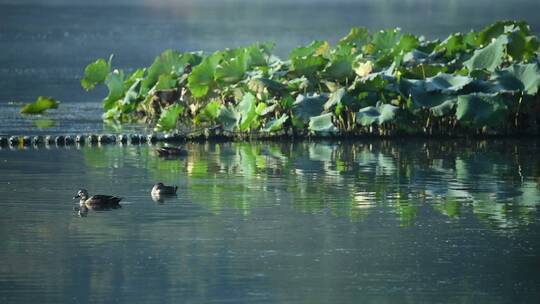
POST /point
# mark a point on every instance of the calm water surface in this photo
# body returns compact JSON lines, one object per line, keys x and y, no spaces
{"x":45,"y":44}
{"x":369,"y":222}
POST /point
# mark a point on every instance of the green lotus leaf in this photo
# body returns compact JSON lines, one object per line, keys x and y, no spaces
{"x":201,"y":77}
{"x":132,"y":95}
{"x":519,"y":77}
{"x":212,"y":109}
{"x":415,"y":57}
{"x":445,"y":106}
{"x":275,"y":124}
{"x":453,"y":45}
{"x":228,"y":117}
{"x":169,"y":61}
{"x":40,"y":105}
{"x":406,"y":43}
{"x":532,"y":48}
{"x":488,"y":58}
{"x":422,"y":71}
{"x":248,"y":111}
{"x":322,"y":124}
{"x":286,"y":102}
{"x":258,"y":53}
{"x":374,"y":82}
{"x":439,"y":104}
{"x":266,"y":109}
{"x":95,"y":73}
{"x":232,"y":70}
{"x":481,"y":109}
{"x":210,"y":112}
{"x":340,"y":96}
{"x":306,"y":106}
{"x":299,"y":84}
{"x":447,"y":83}
{"x":339,"y":68}
{"x":115,"y":83}
{"x":517,"y":45}
{"x":385,"y":41}
{"x":357,"y":37}
{"x":261,"y":108}
{"x":166,"y":82}
{"x":113,"y":114}
{"x":408,"y":87}
{"x":136,"y":75}
{"x":379,"y":114}
{"x":262,"y":85}
{"x":313,"y":49}
{"x":495,"y":30}
{"x":169,"y":117}
{"x":307,"y":65}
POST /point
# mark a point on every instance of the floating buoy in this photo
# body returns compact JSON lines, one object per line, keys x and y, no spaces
{"x":49,"y":140}
{"x":14,"y":141}
{"x":79,"y":139}
{"x":92,"y":139}
{"x":151,"y":138}
{"x":26,"y":140}
{"x":69,"y":140}
{"x":122,"y":138}
{"x":134,"y":139}
{"x":59,"y":140}
{"x":103,"y":139}
{"x":37,"y":140}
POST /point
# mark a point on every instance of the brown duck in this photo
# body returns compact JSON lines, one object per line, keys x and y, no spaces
{"x":97,"y":201}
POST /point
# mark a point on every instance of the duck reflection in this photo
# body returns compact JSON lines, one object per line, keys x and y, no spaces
{"x":167,"y":152}
{"x":82,"y":210}
{"x":162,"y":198}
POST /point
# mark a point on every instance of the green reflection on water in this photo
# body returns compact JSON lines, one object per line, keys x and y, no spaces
{"x":495,"y":182}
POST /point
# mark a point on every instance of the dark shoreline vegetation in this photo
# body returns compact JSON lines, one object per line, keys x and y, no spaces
{"x":382,"y":84}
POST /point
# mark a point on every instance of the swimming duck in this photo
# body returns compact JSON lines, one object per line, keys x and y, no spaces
{"x":171,"y":151}
{"x":161,"y":189}
{"x":99,"y":200}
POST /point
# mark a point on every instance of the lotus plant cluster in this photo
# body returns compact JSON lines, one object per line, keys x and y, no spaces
{"x":382,"y":83}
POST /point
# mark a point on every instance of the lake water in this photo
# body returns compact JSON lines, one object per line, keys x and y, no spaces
{"x":299,"y":222}
{"x":302,"y":222}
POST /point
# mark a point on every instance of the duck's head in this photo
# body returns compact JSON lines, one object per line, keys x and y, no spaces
{"x":82,"y":194}
{"x":159,"y":185}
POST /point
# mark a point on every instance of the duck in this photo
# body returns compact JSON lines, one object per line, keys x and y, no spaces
{"x":171,"y":151}
{"x":97,"y":201}
{"x":161,"y":189}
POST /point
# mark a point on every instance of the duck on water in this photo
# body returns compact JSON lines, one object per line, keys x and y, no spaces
{"x":160,"y":192}
{"x":98,"y":201}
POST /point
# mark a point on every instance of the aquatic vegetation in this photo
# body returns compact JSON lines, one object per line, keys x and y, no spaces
{"x":382,"y":83}
{"x":40,"y":105}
